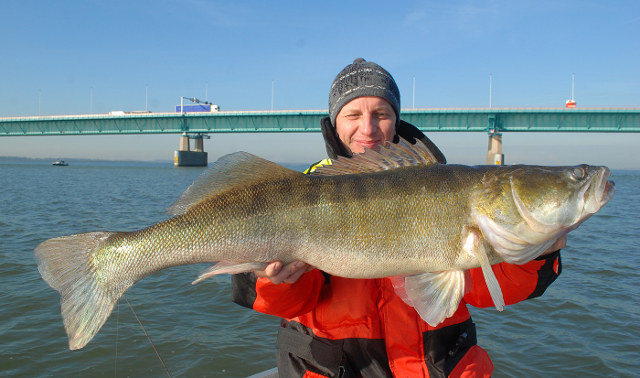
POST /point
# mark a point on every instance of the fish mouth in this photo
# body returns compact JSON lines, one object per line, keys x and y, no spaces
{"x":606,"y":188}
{"x":597,"y":192}
{"x":609,"y":191}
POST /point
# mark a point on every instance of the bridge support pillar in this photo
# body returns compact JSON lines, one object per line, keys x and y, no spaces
{"x":495,"y":155}
{"x":184,"y":142}
{"x":184,"y":157}
{"x":198,"y":143}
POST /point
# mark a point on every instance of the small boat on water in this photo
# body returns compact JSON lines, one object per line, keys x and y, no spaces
{"x":60,"y":163}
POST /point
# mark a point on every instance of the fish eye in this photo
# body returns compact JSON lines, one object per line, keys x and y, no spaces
{"x":578,"y":173}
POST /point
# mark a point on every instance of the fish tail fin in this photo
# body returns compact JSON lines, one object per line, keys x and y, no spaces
{"x":86,"y":300}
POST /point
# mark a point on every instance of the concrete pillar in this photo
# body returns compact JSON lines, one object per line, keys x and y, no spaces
{"x":495,"y":155}
{"x":184,"y":157}
{"x":184,"y":143}
{"x":198,"y":143}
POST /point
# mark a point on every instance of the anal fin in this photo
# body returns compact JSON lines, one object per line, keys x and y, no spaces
{"x":229,"y":267}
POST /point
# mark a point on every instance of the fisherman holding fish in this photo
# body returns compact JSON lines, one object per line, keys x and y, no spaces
{"x":370,"y":258}
{"x":344,"y":327}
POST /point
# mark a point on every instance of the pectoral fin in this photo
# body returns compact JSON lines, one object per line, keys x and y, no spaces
{"x":490,"y":279}
{"x":476,"y":246}
{"x":435,"y":296}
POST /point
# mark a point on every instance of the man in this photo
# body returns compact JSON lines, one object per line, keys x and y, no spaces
{"x":340,"y":327}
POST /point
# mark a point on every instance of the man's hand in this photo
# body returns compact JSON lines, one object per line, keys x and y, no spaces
{"x":289,"y":273}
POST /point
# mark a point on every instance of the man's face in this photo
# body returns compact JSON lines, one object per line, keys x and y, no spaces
{"x":366,"y":122}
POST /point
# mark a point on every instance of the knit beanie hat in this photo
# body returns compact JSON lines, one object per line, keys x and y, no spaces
{"x":362,"y":78}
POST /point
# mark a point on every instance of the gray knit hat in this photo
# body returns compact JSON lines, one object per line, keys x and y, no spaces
{"x":362,"y":78}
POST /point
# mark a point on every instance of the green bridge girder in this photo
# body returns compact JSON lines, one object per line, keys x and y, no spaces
{"x":491,"y":120}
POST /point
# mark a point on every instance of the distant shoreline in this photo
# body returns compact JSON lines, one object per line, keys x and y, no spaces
{"x":79,"y":160}
{"x":21,"y":158}
{"x":84,"y":162}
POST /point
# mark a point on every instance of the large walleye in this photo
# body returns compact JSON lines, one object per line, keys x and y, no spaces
{"x":387,"y":213}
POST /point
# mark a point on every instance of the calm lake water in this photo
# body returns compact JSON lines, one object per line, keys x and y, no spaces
{"x":586,"y":324}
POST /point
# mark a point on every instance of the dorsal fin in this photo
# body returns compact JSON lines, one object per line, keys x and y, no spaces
{"x":389,"y":156}
{"x":231,"y":171}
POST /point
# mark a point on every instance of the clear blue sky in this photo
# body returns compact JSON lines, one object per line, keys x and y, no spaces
{"x":69,"y":57}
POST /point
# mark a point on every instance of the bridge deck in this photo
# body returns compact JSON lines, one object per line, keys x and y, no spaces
{"x":443,"y":119}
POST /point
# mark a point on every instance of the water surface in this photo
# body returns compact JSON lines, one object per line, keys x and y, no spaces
{"x":586,"y":324}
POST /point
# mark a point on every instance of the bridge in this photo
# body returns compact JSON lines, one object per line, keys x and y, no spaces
{"x":493,"y":121}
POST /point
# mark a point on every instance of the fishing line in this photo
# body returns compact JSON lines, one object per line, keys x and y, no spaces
{"x":148,"y":337}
